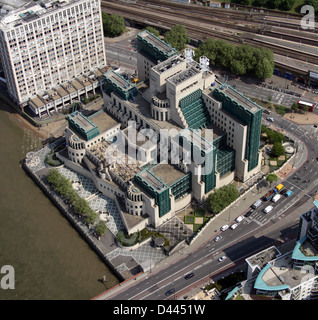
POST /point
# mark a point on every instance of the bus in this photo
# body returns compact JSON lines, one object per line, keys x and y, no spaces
{"x":302,"y":104}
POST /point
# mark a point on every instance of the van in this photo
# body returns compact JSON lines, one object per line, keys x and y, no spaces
{"x":279,"y":187}
{"x":257,"y":204}
{"x":276,"y":197}
{"x":268,"y":209}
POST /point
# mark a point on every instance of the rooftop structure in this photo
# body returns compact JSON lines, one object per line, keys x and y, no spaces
{"x":240,"y":98}
{"x":279,"y":276}
{"x":114,"y":82}
{"x":82,"y":125}
{"x":154,"y":47}
{"x":184,"y":75}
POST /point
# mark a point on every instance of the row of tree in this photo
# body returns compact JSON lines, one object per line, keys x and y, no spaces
{"x":63,"y":187}
{"x":284,"y":5}
{"x":240,"y":60}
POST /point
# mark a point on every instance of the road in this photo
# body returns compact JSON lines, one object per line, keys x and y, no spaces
{"x":248,"y":238}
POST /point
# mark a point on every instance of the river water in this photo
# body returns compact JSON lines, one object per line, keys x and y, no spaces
{"x":49,"y":257}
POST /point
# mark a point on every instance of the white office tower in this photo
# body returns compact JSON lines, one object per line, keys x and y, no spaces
{"x":48,"y":43}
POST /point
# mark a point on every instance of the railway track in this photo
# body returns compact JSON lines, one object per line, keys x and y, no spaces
{"x":200,"y":25}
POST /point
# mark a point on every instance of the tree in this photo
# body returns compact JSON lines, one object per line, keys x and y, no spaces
{"x":259,"y":3}
{"x":313,"y":3}
{"x":286,"y":5}
{"x":238,"y":67}
{"x":81,"y":206}
{"x":272,"y":177}
{"x":113,"y":25}
{"x":177,"y":37}
{"x":91,"y":217}
{"x":278,"y":149}
{"x":208,"y":49}
{"x":53,"y":176}
{"x":221,"y":198}
{"x":294,"y":107}
{"x":225,"y":53}
{"x":272,"y":4}
{"x":264,"y":69}
{"x":100,"y":228}
{"x":245,"y":2}
{"x":153,"y":31}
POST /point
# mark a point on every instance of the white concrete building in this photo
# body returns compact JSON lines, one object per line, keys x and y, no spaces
{"x":52,"y":52}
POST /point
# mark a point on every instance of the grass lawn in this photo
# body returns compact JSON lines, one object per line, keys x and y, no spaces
{"x":196,"y":227}
{"x":199,"y":212}
{"x":189,"y":219}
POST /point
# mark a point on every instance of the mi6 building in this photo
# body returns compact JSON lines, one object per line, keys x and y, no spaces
{"x":182,"y":135}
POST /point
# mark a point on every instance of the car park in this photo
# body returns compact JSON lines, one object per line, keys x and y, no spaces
{"x":217,"y":238}
{"x":239,"y":219}
{"x":224,"y":227}
{"x":233,"y":226}
{"x":222,"y":258}
{"x":189,"y":275}
{"x":170,"y":292}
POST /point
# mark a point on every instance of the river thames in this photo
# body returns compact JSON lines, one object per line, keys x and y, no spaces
{"x":51,"y":260}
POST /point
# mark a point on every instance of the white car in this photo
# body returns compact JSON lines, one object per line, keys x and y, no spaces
{"x":224,"y":227}
{"x":268,"y":209}
{"x":239,"y":219}
{"x":222,"y":258}
{"x":233,"y":226}
{"x":270,"y":119}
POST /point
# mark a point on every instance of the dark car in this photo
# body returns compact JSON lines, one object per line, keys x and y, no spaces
{"x":188,"y":276}
{"x":170,"y":292}
{"x":283,"y":191}
{"x":248,"y":213}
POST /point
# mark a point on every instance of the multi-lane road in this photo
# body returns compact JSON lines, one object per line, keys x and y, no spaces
{"x":243,"y":241}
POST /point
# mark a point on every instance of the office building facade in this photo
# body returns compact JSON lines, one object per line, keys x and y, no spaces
{"x":47,"y":45}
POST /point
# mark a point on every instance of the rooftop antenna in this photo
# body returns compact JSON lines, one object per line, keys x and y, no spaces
{"x":189,"y":54}
{"x":204,"y":63}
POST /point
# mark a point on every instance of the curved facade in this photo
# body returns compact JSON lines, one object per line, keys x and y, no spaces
{"x":134,"y":203}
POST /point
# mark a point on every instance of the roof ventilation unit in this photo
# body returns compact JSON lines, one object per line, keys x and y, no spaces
{"x":189,"y":54}
{"x":204,"y":63}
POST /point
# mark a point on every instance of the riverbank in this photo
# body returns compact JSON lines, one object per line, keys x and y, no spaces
{"x":66,"y":211}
